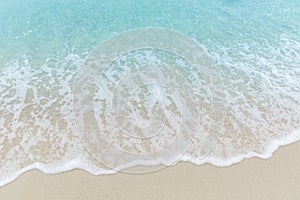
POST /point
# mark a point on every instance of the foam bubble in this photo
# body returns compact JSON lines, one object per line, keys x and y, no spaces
{"x":262,"y":103}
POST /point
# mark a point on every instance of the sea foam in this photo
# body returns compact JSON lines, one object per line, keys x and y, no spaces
{"x":38,"y":129}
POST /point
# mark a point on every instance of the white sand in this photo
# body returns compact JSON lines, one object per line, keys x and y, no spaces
{"x":275,"y":178}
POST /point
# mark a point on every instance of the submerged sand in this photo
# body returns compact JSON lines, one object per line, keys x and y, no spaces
{"x":275,"y":178}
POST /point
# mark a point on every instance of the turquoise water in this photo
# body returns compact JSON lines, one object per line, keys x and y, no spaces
{"x":255,"y":45}
{"x":37,"y":28}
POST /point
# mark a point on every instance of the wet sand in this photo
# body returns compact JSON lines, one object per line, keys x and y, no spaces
{"x":275,"y":178}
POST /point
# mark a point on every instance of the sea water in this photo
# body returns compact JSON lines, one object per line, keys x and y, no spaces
{"x":254,"y":45}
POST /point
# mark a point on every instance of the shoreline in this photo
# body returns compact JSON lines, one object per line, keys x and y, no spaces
{"x":76,"y":164}
{"x":275,"y":178}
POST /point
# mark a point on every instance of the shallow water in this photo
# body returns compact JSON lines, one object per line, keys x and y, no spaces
{"x":255,"y":47}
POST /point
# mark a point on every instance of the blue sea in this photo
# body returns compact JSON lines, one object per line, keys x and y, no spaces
{"x":203,"y":81}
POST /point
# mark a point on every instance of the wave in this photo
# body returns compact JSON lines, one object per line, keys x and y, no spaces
{"x":262,"y":109}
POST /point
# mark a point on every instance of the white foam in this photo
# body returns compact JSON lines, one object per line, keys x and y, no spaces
{"x":36,"y":111}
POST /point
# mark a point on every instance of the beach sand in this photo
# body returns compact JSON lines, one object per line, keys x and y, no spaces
{"x":275,"y":178}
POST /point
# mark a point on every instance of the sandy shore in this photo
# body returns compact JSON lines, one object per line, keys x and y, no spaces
{"x":275,"y":178}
